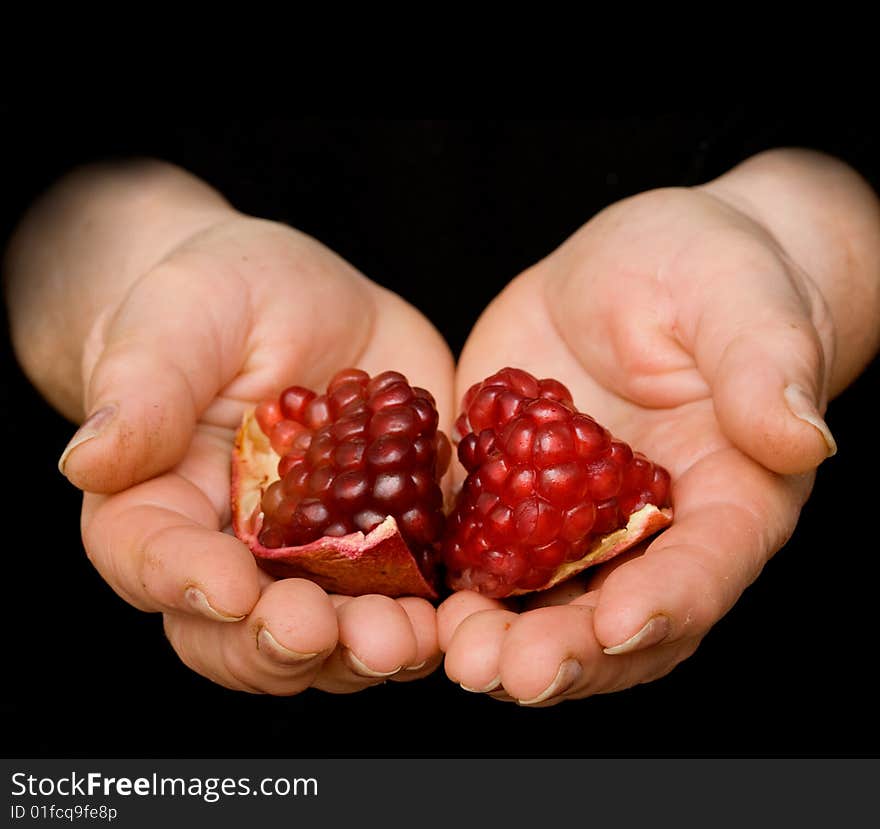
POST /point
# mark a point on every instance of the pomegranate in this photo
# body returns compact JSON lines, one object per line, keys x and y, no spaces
{"x":549,"y":491}
{"x":343,"y":487}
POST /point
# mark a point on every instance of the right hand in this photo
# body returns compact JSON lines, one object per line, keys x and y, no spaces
{"x":229,"y":317}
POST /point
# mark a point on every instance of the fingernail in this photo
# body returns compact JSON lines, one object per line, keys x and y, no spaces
{"x":569,"y":672}
{"x":802,"y":406}
{"x":495,"y":683}
{"x":363,"y":670}
{"x":199,"y":601}
{"x":417,"y":667}
{"x":655,"y":630}
{"x":91,"y":427}
{"x":269,"y":645}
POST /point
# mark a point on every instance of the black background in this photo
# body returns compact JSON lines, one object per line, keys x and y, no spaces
{"x":444,"y":213}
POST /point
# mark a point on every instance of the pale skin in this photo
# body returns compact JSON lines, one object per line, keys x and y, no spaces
{"x":708,"y":327}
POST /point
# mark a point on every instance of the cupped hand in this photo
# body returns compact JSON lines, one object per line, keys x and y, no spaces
{"x":683,"y":326}
{"x":229,"y":317}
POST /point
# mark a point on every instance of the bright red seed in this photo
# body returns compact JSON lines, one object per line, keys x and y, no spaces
{"x":544,"y":482}
{"x":366,"y":449}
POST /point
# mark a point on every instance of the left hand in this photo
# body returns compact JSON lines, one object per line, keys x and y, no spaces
{"x":682,"y":325}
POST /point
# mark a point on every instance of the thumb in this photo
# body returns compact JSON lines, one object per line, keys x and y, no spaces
{"x":769,"y":392}
{"x":764,"y":342}
{"x":151,"y":370}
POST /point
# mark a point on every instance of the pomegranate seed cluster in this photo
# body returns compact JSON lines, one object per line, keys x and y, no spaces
{"x":543,"y":481}
{"x":366,"y":449}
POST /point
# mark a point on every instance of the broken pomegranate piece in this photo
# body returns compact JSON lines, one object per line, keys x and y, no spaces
{"x":343,"y":487}
{"x":549,"y":491}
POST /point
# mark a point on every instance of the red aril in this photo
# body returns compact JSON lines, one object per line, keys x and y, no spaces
{"x":549,"y":491}
{"x":343,"y":487}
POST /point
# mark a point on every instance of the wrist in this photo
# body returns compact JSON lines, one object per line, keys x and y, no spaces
{"x":78,"y":250}
{"x":826,"y":219}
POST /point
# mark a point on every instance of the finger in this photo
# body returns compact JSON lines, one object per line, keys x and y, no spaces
{"x":155,"y":368}
{"x":704,"y":297}
{"x":423,"y":619}
{"x":454,"y":610}
{"x":551,"y":654}
{"x":731,"y":516}
{"x":426,"y":361}
{"x":279,"y":649}
{"x":473,"y":657}
{"x":376,"y":641}
{"x":158,"y":545}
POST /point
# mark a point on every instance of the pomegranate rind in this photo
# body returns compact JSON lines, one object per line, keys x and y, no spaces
{"x":352,"y":565}
{"x":642,"y":524}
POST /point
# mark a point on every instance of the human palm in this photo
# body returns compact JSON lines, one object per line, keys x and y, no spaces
{"x":680,"y":325}
{"x":227,"y":319}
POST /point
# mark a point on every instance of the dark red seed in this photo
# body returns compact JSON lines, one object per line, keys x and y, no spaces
{"x":294,"y":401}
{"x":481,"y":413}
{"x":486,"y":502}
{"x":268,"y":413}
{"x":521,"y":381}
{"x":397,"y":394}
{"x":418,"y":391}
{"x":272,"y":536}
{"x":549,"y":555}
{"x":605,"y":478}
{"x":353,"y":425}
{"x":545,"y":410}
{"x":393,"y":491}
{"x":420,"y":525}
{"x":321,"y":450}
{"x":367,"y":520}
{"x":494,"y":473}
{"x":313,"y":514}
{"x":554,"y":444}
{"x":350,"y":490}
{"x":383,"y":381}
{"x":343,"y":396}
{"x":426,"y":415}
{"x":283,"y":435}
{"x":536,"y":521}
{"x":518,"y":438}
{"x":607,"y":518}
{"x":591,"y":440}
{"x":659,"y":487}
{"x":295,"y":479}
{"x":577,"y":523}
{"x":349,"y":455}
{"x":272,"y":498}
{"x":508,"y":406}
{"x":564,"y":484}
{"x":444,"y":454}
{"x":505,"y":565}
{"x":500,"y":522}
{"x":467,"y":452}
{"x":554,"y":390}
{"x":485,"y":445}
{"x":638,"y":473}
{"x":348,"y":375}
{"x":520,"y":484}
{"x":287,"y":463}
{"x":320,"y":480}
{"x":535,"y":578}
{"x":317,"y":413}
{"x":391,"y":451}
{"x":337,"y":528}
{"x":621,"y":454}
{"x":393,"y":420}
